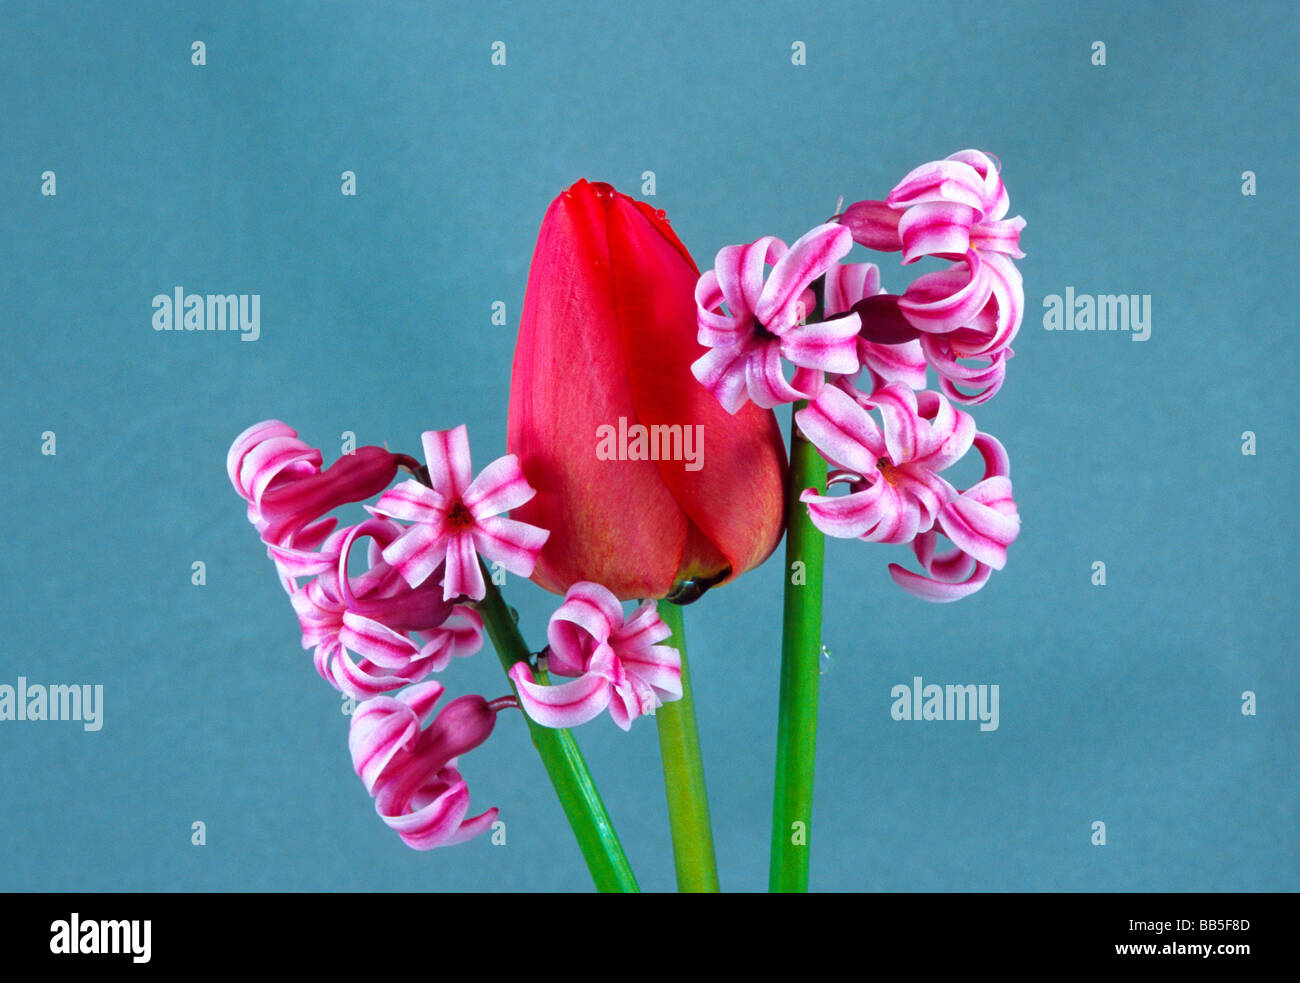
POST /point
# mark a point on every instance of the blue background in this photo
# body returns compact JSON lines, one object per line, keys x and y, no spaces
{"x":1119,"y":703}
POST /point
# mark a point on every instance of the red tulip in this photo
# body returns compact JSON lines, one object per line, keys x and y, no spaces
{"x":606,"y":342}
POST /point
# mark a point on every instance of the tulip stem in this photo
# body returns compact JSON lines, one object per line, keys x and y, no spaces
{"x":801,"y":646}
{"x":688,"y":800}
{"x":564,"y":763}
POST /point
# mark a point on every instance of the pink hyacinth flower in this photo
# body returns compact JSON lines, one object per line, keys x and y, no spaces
{"x":373,"y":614}
{"x":982,"y":521}
{"x":846,"y":285}
{"x":457,"y":520}
{"x":280,"y":478}
{"x":412,"y":772}
{"x":892,"y":470}
{"x":953,"y":209}
{"x":764,"y":320}
{"x":617,"y":662}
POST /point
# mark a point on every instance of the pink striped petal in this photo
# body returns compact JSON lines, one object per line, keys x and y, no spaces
{"x":464,"y":575}
{"x":831,"y":345}
{"x":660,"y":667}
{"x":848,"y":283}
{"x":718,"y":329}
{"x":513,"y":544}
{"x":998,"y":237}
{"x":906,"y":437}
{"x":941,"y":180}
{"x":851,"y":516}
{"x":459,"y":636}
{"x":434,"y":825}
{"x":842,"y":431}
{"x":499,"y":487}
{"x":380,"y":728}
{"x":567,"y":705}
{"x":418,"y":552}
{"x":246,"y":441}
{"x":272,"y":458}
{"x":446,"y":452}
{"x":987,"y":167}
{"x":979,"y":530}
{"x":589,"y":616}
{"x":948,"y":299}
{"x":904,"y":364}
{"x":765,"y":378}
{"x":381,"y":645}
{"x":939,"y":591}
{"x":939,"y":228}
{"x":722,"y":372}
{"x":411,"y":501}
{"x":739,"y":271}
{"x":643,"y":629}
{"x":807,"y":259}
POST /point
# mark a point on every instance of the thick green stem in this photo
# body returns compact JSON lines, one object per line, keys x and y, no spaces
{"x":801,"y":646}
{"x":564,"y":764}
{"x":688,"y":801}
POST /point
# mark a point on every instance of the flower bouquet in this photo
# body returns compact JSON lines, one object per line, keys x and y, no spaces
{"x":647,"y":467}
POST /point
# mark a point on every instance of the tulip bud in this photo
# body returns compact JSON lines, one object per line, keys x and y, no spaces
{"x":647,"y":485}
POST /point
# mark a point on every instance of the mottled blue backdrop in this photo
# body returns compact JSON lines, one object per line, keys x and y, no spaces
{"x":1120,"y":704}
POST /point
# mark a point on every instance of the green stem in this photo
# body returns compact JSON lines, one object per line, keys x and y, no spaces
{"x":688,"y":800}
{"x":564,"y":764}
{"x":801,"y":644}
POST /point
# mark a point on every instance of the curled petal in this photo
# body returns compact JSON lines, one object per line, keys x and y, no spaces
{"x":848,"y":283}
{"x":941,"y":180}
{"x":378,"y":643}
{"x":940,"y":302}
{"x":588,"y":617}
{"x":765,"y":379}
{"x":814,"y":252}
{"x":567,"y":705}
{"x":383,"y":726}
{"x":939,"y":228}
{"x":830,"y":345}
{"x":722,"y":372}
{"x":940,"y":591}
{"x":739,"y":271}
{"x":843,"y":431}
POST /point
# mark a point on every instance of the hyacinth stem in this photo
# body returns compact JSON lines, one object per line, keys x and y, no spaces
{"x":564,"y":763}
{"x":688,"y":800}
{"x":801,"y":645}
